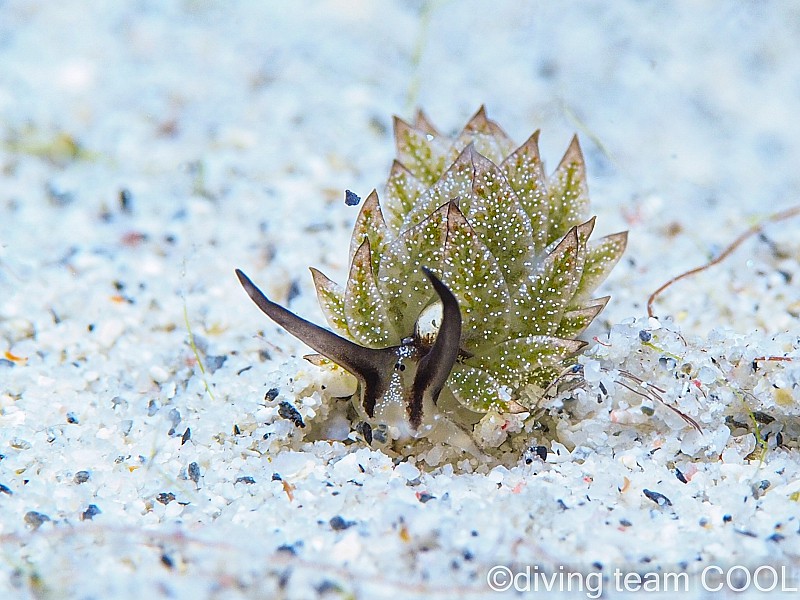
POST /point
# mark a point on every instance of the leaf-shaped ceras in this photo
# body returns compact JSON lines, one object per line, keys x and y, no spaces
{"x":468,"y":285}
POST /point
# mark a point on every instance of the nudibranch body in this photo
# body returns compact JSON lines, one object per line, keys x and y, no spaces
{"x":469,"y":284}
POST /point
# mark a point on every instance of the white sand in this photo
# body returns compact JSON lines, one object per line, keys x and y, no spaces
{"x":235,"y":129}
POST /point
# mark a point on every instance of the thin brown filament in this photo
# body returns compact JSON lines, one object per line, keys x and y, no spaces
{"x":757,"y":228}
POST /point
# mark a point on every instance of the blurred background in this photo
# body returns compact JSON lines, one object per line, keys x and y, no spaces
{"x":686,"y":113}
